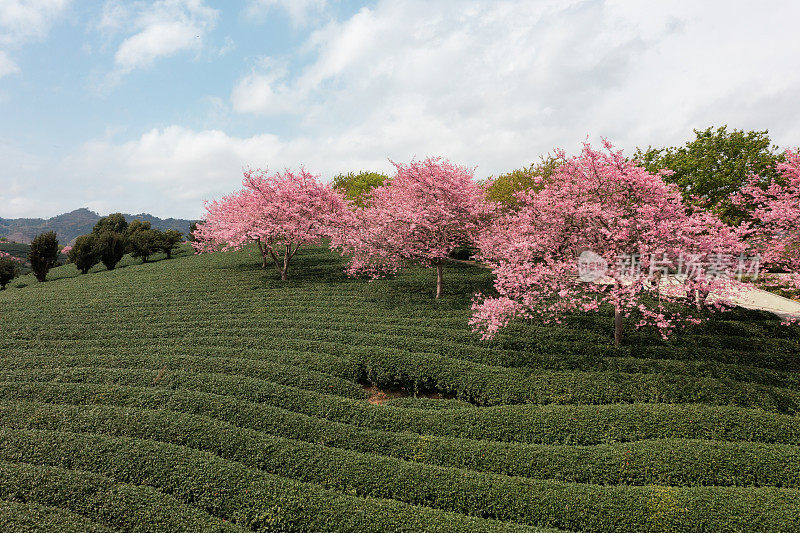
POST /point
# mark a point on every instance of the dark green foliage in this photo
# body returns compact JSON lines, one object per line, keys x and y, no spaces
{"x":102,"y":499}
{"x":137,"y":225}
{"x":43,"y":254}
{"x":18,"y":250}
{"x":503,"y":189}
{"x":169,"y":240}
{"x":214,"y":390}
{"x":142,"y":240}
{"x":464,"y":253}
{"x":227,"y":490}
{"x":192,"y":228}
{"x":145,"y":243}
{"x":715,"y":165}
{"x":85,"y":252}
{"x":9,"y":269}
{"x":28,"y":517}
{"x":676,"y":462}
{"x":114,"y":223}
{"x":356,"y":187}
{"x":112,"y":246}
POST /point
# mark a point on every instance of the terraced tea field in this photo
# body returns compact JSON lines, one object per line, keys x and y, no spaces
{"x":202,"y":393}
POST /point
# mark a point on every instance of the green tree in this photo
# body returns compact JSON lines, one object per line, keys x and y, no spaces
{"x":714,"y":166}
{"x":144,"y":242}
{"x":504,"y":188}
{"x":111,"y":246}
{"x":137,"y":225}
{"x":85,"y":253}
{"x":192,"y":227}
{"x":169,"y":240}
{"x":357,"y":187}
{"x":114,"y":222}
{"x":9,"y":269}
{"x":111,"y":239}
{"x":43,"y":254}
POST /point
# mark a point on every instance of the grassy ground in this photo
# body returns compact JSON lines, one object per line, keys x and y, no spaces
{"x":202,"y":393}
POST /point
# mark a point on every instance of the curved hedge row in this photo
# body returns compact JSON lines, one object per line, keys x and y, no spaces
{"x":226,"y":489}
{"x":486,"y":385}
{"x":261,"y":375}
{"x":25,"y":517}
{"x":243,"y":495}
{"x":284,"y":374}
{"x":552,"y":424}
{"x":539,"y":345}
{"x":119,"y":505}
{"x":663,"y":462}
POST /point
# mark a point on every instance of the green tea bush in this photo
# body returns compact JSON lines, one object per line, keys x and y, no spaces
{"x":201,"y":394}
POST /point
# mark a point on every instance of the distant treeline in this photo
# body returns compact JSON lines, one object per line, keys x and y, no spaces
{"x":69,"y":226}
{"x":110,"y":239}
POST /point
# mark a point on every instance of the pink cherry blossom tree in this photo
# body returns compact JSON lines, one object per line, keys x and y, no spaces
{"x":9,"y":268}
{"x":776,"y":216}
{"x":6,"y":255}
{"x":603,"y":230}
{"x":428,"y":209}
{"x":279,"y":212}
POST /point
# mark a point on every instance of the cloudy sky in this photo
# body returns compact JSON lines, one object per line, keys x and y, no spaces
{"x":143,"y":106}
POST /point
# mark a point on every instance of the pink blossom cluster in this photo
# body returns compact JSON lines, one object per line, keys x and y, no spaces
{"x":280,"y":212}
{"x":776,"y":216}
{"x":601,"y":202}
{"x":425,"y":211}
{"x":597,"y":203}
{"x":5,"y":255}
{"x":66,"y":250}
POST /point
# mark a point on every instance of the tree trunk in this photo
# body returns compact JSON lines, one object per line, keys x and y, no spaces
{"x":286,"y":257}
{"x":617,"y":327}
{"x":439,"y":269}
{"x":263,"y":249}
{"x":658,"y":285}
{"x":700,"y":299}
{"x":280,"y":269}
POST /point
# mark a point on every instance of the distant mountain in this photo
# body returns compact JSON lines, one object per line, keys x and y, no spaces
{"x":75,"y":223}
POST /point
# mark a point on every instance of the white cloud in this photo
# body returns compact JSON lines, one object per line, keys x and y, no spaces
{"x":491,"y":84}
{"x":115,"y":15}
{"x":300,"y":11}
{"x":22,"y":21}
{"x":263,"y":91}
{"x":25,"y":20}
{"x":164,"y":28}
{"x":496,"y":83}
{"x":7,"y":66}
{"x":24,"y":193}
{"x":171,"y":171}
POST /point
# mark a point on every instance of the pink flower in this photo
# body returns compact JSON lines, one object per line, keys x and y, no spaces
{"x":280,"y":212}
{"x":602,"y":203}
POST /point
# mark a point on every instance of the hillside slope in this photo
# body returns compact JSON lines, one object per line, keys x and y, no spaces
{"x":202,"y":392}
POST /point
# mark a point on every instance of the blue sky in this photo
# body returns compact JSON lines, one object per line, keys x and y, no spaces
{"x":157,"y":105}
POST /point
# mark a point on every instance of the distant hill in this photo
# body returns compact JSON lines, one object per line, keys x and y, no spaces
{"x":75,"y":223}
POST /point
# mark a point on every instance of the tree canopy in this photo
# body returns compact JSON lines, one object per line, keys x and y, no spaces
{"x":714,"y":166}
{"x":427,"y":209}
{"x":356,"y":187}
